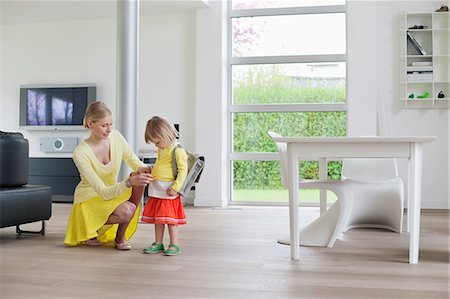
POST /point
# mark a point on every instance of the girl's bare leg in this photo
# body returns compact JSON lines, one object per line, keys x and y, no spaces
{"x":159,"y":233}
{"x":173,"y":233}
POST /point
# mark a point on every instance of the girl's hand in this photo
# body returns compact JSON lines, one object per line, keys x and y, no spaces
{"x":171,"y":192}
{"x":141,"y":179}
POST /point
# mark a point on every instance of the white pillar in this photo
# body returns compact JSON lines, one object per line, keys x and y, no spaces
{"x":127,"y":68}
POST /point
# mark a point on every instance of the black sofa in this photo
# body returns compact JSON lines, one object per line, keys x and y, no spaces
{"x":20,"y":203}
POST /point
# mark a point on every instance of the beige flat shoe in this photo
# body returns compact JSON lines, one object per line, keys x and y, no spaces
{"x":122,"y":246}
{"x":93,"y":243}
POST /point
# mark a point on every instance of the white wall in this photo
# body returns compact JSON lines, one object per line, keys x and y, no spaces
{"x":211,"y":123}
{"x":361,"y":63}
{"x":84,"y":51}
{"x":373,"y":73}
{"x":167,"y":73}
{"x":181,"y":77}
{"x":56,"y":53}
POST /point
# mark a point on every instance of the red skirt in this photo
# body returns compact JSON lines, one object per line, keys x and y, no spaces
{"x":164,"y":211}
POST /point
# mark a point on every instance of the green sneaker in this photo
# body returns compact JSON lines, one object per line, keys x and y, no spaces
{"x":155,"y":248}
{"x":175,"y":251}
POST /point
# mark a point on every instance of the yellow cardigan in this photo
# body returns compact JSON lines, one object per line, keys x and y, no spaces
{"x":97,"y":179}
{"x":163,"y":166}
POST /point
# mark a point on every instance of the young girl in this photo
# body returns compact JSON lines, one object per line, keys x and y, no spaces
{"x":164,"y":205}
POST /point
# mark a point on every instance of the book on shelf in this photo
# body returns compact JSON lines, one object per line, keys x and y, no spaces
{"x":415,"y":44}
{"x":415,"y":75}
{"x":421,"y":63}
{"x":419,"y":77}
{"x":419,"y":68}
{"x":422,"y":74}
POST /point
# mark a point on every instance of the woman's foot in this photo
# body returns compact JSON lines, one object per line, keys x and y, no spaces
{"x":122,"y":246}
{"x":93,"y":242}
{"x":154,"y":248}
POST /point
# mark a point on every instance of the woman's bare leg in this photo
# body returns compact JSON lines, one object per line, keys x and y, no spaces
{"x":120,"y":234}
{"x":125,"y":212}
{"x":136,"y":195}
{"x":122,"y":214}
{"x":135,"y":199}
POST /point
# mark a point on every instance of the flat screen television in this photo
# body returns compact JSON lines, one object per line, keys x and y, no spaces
{"x":54,"y":107}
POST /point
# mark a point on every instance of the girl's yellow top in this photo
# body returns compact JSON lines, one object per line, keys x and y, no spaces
{"x":163,"y":166}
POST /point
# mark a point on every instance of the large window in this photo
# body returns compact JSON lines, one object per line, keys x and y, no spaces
{"x":287,"y":73}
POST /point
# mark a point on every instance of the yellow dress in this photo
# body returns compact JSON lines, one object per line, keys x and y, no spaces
{"x":88,"y":218}
{"x":98,"y":194}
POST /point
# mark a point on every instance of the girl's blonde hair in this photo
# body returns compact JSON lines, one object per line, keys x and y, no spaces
{"x":95,"y":111}
{"x":160,"y":128}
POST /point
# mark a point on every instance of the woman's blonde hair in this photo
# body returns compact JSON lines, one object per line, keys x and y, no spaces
{"x":95,"y":111}
{"x":160,"y":128}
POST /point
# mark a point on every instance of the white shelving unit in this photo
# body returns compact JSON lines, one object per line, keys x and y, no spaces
{"x":425,"y":71}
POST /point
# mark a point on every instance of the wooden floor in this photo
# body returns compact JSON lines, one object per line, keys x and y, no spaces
{"x":227,"y":253}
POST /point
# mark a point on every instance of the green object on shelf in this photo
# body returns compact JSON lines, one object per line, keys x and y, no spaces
{"x":411,"y":96}
{"x":425,"y":95}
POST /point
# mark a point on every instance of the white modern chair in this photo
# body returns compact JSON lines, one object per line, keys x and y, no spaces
{"x":370,"y":194}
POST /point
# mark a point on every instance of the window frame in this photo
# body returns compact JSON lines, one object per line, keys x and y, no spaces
{"x":255,"y":108}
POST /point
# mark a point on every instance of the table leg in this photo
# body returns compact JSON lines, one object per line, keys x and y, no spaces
{"x":415,"y":176}
{"x":293,"y":202}
{"x":323,"y":175}
{"x":408,"y":199}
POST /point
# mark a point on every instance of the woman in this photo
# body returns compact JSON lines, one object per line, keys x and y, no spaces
{"x":104,"y":209}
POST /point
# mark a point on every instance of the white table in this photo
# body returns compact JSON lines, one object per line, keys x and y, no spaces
{"x":322,"y":148}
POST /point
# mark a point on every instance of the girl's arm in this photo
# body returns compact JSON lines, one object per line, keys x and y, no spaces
{"x":182,"y":165}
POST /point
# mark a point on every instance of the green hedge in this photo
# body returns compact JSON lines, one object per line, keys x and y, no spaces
{"x":250,"y":129}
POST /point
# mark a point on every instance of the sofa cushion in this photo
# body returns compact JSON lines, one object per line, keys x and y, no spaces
{"x":13,"y":159}
{"x":25,"y":204}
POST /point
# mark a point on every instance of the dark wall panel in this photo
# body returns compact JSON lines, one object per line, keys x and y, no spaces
{"x":59,"y":173}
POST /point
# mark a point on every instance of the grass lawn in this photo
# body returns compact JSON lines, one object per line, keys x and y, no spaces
{"x":259,"y":195}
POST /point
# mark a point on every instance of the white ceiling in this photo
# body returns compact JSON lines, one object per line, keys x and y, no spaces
{"x":34,"y":11}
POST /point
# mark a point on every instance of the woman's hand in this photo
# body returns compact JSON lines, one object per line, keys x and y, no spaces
{"x":145,"y":169}
{"x":142,"y":169}
{"x":171,"y":192}
{"x":140,"y":179}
